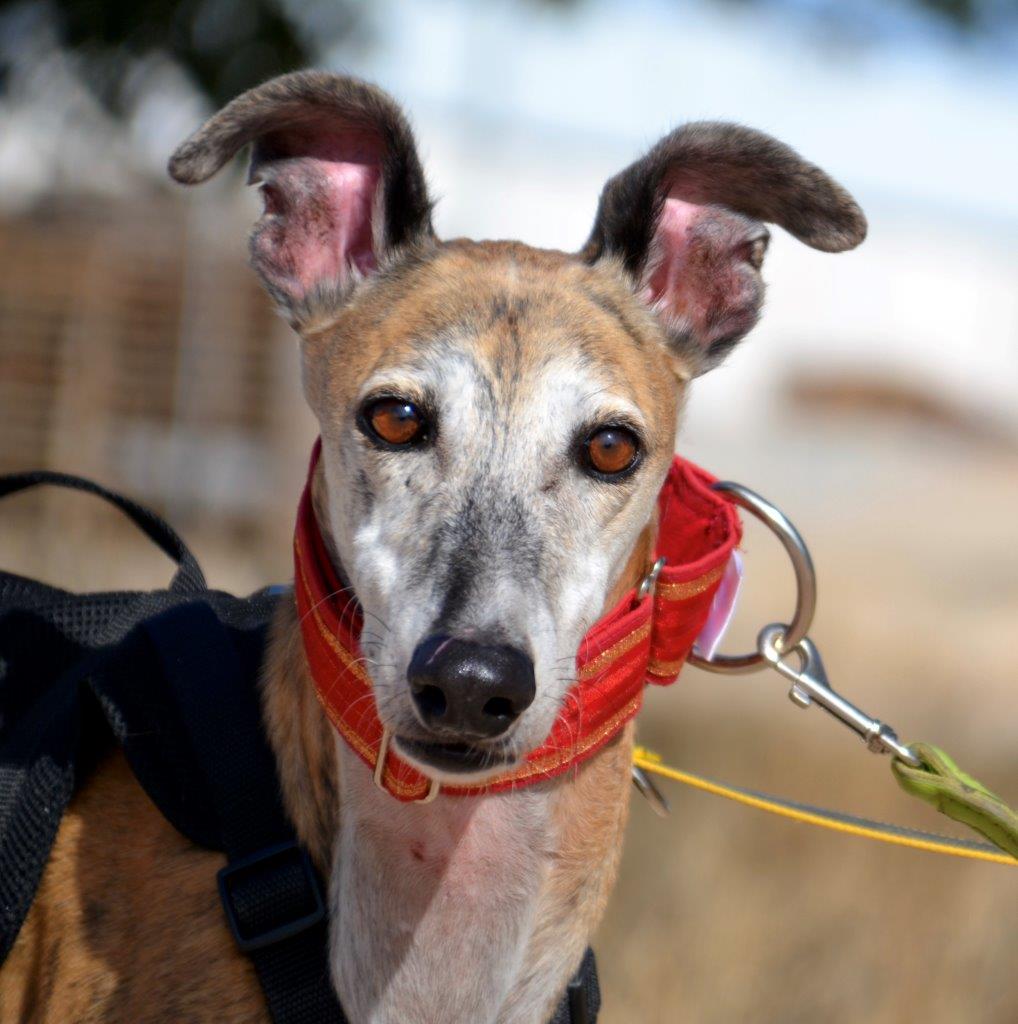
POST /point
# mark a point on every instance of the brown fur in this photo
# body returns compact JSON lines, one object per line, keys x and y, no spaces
{"x":519,"y":303}
{"x":126,"y":925}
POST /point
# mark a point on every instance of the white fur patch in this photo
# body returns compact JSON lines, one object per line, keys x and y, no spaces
{"x":432,"y":905}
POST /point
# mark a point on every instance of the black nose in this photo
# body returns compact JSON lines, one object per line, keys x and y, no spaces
{"x":470,"y":689}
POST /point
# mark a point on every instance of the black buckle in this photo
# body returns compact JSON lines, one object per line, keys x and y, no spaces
{"x":282,"y":894}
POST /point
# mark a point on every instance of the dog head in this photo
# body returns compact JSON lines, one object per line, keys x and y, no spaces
{"x":496,"y":420}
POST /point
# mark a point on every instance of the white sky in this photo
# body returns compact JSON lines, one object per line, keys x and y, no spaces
{"x":904,"y":120}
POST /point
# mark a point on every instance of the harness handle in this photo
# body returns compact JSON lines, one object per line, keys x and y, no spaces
{"x":188,"y":578}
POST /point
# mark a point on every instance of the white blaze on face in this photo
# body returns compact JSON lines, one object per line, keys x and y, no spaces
{"x":492,"y":529}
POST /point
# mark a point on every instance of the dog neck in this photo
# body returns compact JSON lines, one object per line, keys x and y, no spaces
{"x":465,"y":909}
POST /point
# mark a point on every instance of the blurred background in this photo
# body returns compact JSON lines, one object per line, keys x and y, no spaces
{"x":877,"y":403}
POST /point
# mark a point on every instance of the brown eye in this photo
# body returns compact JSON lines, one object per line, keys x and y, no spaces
{"x":612,"y":450}
{"x":395,"y":421}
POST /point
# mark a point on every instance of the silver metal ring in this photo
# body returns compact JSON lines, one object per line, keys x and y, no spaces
{"x":650,"y":580}
{"x":805,"y":581}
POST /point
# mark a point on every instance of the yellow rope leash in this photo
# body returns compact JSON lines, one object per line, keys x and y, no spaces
{"x":898,"y":836}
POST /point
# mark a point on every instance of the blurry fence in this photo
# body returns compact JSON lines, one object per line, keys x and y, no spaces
{"x":136,"y":347}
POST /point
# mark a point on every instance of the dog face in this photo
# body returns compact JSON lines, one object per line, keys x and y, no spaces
{"x":463,"y":496}
{"x":496,"y":420}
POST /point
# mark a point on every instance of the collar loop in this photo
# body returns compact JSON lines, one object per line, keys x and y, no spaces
{"x":379,"y":772}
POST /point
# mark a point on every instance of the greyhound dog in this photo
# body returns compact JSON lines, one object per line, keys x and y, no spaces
{"x":496,"y":423}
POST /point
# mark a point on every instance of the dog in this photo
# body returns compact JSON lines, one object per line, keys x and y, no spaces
{"x":496,"y":422}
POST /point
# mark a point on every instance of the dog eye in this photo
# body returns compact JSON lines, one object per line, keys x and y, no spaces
{"x":395,"y":421}
{"x":611,"y":450}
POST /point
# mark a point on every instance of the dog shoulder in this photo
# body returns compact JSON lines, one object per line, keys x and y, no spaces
{"x":301,"y":738}
{"x":126,"y":924}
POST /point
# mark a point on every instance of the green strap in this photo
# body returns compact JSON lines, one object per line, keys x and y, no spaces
{"x":943,"y":785}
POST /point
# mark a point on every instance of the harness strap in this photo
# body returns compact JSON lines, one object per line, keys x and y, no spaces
{"x":188,"y":577}
{"x":36,"y":783}
{"x":582,"y":1000}
{"x":271,"y":893}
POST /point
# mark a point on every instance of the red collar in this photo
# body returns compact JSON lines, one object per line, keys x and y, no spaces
{"x":637,"y":642}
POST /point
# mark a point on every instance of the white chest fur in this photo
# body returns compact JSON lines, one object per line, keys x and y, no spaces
{"x":433,"y":906}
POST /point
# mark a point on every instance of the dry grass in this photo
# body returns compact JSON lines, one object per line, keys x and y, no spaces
{"x":725,"y":915}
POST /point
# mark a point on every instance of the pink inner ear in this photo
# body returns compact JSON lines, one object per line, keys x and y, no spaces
{"x":319,"y":199}
{"x":669,"y":250}
{"x":700,"y":278}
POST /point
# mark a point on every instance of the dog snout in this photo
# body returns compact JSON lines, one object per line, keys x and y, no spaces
{"x":469,"y":689}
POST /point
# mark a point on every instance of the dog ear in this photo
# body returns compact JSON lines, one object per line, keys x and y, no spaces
{"x":687,"y":224}
{"x":342,"y":184}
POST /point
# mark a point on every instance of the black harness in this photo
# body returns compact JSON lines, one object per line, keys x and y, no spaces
{"x":171,"y":675}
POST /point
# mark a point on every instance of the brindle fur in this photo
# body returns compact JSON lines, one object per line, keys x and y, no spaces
{"x":466,"y":909}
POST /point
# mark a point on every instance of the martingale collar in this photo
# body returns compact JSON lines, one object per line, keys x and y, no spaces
{"x":641,"y":640}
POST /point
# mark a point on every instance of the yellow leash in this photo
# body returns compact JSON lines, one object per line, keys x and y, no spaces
{"x":897,"y":835}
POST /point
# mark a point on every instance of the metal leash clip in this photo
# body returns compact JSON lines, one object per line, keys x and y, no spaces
{"x":779,"y":644}
{"x":648,"y":789}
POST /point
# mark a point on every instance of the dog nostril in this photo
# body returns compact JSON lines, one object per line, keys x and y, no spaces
{"x":467,"y":688}
{"x":500,"y":707}
{"x":431,"y":701}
